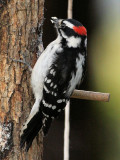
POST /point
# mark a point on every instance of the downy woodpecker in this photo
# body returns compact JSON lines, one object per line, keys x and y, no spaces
{"x":54,"y":77}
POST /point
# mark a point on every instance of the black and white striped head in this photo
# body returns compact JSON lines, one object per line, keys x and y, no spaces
{"x":71,"y":30}
{"x":69,"y":27}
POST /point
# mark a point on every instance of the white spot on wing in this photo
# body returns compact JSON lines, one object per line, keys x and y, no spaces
{"x":45,"y":79}
{"x":48,"y":81}
{"x":52,"y":93}
{"x":45,"y":88}
{"x":51,"y":84}
{"x":55,"y":86}
{"x":59,"y":110}
{"x":51,"y":71}
{"x":53,"y":107}
{"x":63,"y":100}
{"x":59,"y":101}
{"x":45,"y":104}
{"x":50,"y":105}
{"x":55,"y":94}
{"x":46,"y":115}
{"x":64,"y":91}
{"x":54,"y":73}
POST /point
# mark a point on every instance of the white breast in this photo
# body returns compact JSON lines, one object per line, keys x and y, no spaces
{"x":42,"y":66}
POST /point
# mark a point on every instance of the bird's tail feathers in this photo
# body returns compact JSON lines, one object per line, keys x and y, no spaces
{"x":31,"y":129}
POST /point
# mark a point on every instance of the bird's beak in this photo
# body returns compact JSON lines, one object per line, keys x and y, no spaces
{"x":56,"y":21}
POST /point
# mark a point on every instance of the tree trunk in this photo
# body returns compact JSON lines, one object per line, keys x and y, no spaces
{"x":19,"y":21}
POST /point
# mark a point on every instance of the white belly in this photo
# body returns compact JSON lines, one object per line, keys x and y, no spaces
{"x":41,"y":68}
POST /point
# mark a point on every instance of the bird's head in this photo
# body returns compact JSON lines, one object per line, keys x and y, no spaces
{"x":70,"y":29}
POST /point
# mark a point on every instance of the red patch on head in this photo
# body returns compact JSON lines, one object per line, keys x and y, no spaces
{"x":81,"y":30}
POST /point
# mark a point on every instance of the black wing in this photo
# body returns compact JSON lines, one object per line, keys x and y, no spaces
{"x":55,"y":87}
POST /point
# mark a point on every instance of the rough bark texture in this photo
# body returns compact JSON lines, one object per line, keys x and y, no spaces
{"x":19,"y":20}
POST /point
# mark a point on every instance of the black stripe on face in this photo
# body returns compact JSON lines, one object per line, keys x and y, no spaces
{"x":69,"y":32}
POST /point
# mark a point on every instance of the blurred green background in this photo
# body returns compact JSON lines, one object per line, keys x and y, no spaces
{"x":95,"y":126}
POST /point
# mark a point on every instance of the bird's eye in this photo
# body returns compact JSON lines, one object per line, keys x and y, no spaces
{"x":63,"y":25}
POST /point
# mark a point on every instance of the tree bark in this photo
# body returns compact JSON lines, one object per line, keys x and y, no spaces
{"x":19,"y":21}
